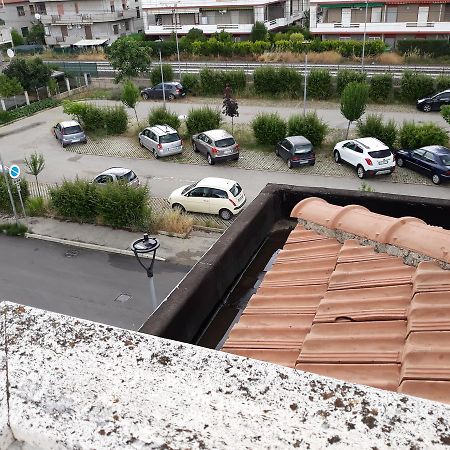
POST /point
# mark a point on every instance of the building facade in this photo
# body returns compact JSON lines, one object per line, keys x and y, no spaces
{"x":18,"y":15}
{"x":163,"y":17}
{"x":390,"y":20}
{"x":72,"y":21}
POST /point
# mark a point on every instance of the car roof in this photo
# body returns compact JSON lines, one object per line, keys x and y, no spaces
{"x":217,"y":134}
{"x":436,"y":149}
{"x":69,"y":123}
{"x":370,"y":143}
{"x":219,"y":183}
{"x":118,"y":171}
{"x":298,"y":140}
{"x":162,"y":129}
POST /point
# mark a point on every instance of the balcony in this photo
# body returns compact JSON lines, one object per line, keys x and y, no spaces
{"x":87,"y":18}
{"x":381,"y":28}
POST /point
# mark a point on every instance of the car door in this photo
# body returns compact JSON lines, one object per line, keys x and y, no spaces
{"x":152,"y":141}
{"x":286,"y":149}
{"x":58,"y":131}
{"x":200,"y":143}
{"x":416,"y":160}
{"x":346,"y":150}
{"x":441,"y":100}
{"x":429,"y":163}
{"x":197,"y":200}
{"x":218,"y":201}
{"x":157,"y":91}
{"x":103,"y":179}
{"x":145,"y":139}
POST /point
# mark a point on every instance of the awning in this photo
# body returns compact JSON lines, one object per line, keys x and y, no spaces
{"x":350,"y":5}
{"x":90,"y":42}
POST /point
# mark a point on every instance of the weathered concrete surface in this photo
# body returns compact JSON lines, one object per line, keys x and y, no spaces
{"x":77,"y":384}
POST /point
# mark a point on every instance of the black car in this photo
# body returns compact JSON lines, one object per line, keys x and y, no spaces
{"x":172,"y":90}
{"x":433,"y":161}
{"x":296,"y":150}
{"x":434,"y":102}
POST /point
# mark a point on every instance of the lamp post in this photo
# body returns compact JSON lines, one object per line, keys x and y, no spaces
{"x":147,"y":245}
{"x":176,"y":39}
{"x":162,"y":72}
{"x":305,"y":81}
{"x":364,"y":38}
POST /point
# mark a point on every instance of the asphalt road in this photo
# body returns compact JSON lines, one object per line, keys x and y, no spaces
{"x":81,"y":283}
{"x":21,"y":138}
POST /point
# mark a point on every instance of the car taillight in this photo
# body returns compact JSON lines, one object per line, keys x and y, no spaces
{"x":295,"y":158}
{"x":160,"y":146}
{"x":178,"y":91}
{"x":181,"y":141}
{"x":234,"y":204}
{"x":447,"y":173}
{"x":368,"y":161}
{"x":237,"y":147}
{"x":214,"y":150}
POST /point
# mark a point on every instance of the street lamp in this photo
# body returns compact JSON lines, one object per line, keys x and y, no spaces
{"x":364,"y":38}
{"x":305,"y":82}
{"x":162,"y":72}
{"x":175,"y":19}
{"x":143,"y":246}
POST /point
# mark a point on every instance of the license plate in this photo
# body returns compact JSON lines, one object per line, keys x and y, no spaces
{"x":75,"y":140}
{"x":382,"y":172}
{"x":383,"y":162}
{"x":227,"y":152}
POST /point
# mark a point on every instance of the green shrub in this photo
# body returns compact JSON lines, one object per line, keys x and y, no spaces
{"x":268,"y":128}
{"x":202,"y":119}
{"x":415,"y":85}
{"x":309,"y":126}
{"x":5,"y":203}
{"x":162,"y":116}
{"x":214,"y":81}
{"x":121,"y":206}
{"x":5,"y":117}
{"x":35,"y":206}
{"x":320,"y":85}
{"x":76,"y":200}
{"x":373,"y":126}
{"x":442,"y":82}
{"x":380,"y":87}
{"x":155,"y":74}
{"x":414,"y":135}
{"x":270,"y":80}
{"x":33,"y":108}
{"x":116,"y":120}
{"x":191,"y":82}
{"x":259,"y":32}
{"x":432,"y":47}
{"x":346,"y":76}
{"x":445,"y":111}
{"x":13,"y":229}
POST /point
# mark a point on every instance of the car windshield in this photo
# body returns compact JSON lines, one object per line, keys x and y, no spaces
{"x":72,"y":130}
{"x":227,"y":142}
{"x":127,"y":177}
{"x":236,"y":189}
{"x":380,"y":153}
{"x":169,"y":138}
{"x":445,"y":159}
{"x":188,"y":188}
{"x":299,"y":149}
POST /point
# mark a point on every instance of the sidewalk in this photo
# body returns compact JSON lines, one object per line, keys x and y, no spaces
{"x":173,"y":249}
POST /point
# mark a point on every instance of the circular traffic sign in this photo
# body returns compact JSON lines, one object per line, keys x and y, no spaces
{"x":10,"y":52}
{"x":14,"y":171}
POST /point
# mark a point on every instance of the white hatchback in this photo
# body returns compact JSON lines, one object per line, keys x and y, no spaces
{"x":369,"y":155}
{"x":211,"y":196}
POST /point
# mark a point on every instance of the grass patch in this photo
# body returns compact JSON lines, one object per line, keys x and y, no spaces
{"x":36,"y":206}
{"x":174,"y":222}
{"x":13,"y":229}
{"x":98,"y":94}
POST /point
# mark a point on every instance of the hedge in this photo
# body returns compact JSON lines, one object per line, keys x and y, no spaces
{"x":413,"y":135}
{"x":431,"y":47}
{"x":320,"y":84}
{"x":5,"y":203}
{"x":162,"y":116}
{"x":373,"y":126}
{"x":214,"y":81}
{"x":270,"y":80}
{"x":442,"y":82}
{"x":27,"y":110}
{"x":202,"y":119}
{"x":346,"y":76}
{"x":380,"y":87}
{"x":268,"y":128}
{"x":309,"y":126}
{"x":415,"y":85}
{"x":155,"y":74}
{"x":191,"y":82}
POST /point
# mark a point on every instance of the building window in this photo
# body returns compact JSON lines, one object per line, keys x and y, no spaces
{"x":77,"y":8}
{"x":32,"y":10}
{"x":127,"y":25}
{"x":24,"y":31}
{"x":20,"y":10}
{"x":391,"y":14}
{"x":138,"y":12}
{"x":47,"y":31}
{"x":376,"y":15}
{"x":113,"y":8}
{"x":40,"y":8}
{"x":116,"y":29}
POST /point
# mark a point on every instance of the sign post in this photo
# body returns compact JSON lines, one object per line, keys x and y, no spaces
{"x":14,"y":173}
{"x":13,"y":206}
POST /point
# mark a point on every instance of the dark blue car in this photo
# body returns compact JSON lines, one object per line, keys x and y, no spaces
{"x":432,"y":161}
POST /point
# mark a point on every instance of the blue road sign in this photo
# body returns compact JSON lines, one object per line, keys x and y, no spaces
{"x":14,"y":171}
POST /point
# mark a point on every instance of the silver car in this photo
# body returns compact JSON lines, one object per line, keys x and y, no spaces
{"x":216,"y":145}
{"x":161,"y":140}
{"x":117,"y":175}
{"x":69,"y":132}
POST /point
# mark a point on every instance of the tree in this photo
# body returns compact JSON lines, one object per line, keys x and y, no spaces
{"x":130,"y":96}
{"x":32,"y":73}
{"x":195,"y":34}
{"x":129,"y":57}
{"x":353,"y":101}
{"x":17,"y":38}
{"x":35,"y":165}
{"x":36,"y":35}
{"x":9,"y":86}
{"x":230,"y":109}
{"x":259,"y":32}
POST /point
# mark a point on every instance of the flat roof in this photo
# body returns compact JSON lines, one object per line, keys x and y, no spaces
{"x":90,"y":42}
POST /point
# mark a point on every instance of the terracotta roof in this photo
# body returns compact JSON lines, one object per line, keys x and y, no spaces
{"x":356,"y":296}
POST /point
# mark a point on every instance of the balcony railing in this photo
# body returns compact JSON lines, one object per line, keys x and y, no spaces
{"x":380,"y":27}
{"x":87,"y":18}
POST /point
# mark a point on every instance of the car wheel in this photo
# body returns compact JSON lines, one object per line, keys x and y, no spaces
{"x":63,"y":145}
{"x":140,"y":143}
{"x":194,"y":147}
{"x":337,"y":156}
{"x":426,"y":108}
{"x":225,"y":214}
{"x":171,"y":97}
{"x":179,"y":208}
{"x":400,"y":162}
{"x":289,"y":163}
{"x":210,"y":159}
{"x":155,"y":154}
{"x":277,"y":151}
{"x":436,"y":179}
{"x":145,"y":96}
{"x":237,"y":158}
{"x":360,"y":172}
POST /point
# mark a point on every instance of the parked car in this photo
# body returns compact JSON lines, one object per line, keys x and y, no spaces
{"x":216,"y":145}
{"x":434,"y":102}
{"x":210,"y":195}
{"x":432,"y":160}
{"x":69,"y":132}
{"x":296,"y":151}
{"x":172,"y":90}
{"x":368,"y":155}
{"x":161,"y":140}
{"x":117,"y":175}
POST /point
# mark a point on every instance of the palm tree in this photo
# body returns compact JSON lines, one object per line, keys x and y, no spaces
{"x":35,"y":166}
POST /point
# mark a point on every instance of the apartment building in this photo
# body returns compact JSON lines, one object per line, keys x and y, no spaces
{"x":88,"y":22}
{"x":18,"y":15}
{"x":390,"y":20}
{"x":163,"y":17}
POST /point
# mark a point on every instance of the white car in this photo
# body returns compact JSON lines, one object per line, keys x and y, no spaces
{"x":211,"y":196}
{"x":369,"y":155}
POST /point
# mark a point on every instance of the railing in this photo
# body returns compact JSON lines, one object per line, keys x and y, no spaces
{"x":350,"y":25}
{"x":66,"y":19}
{"x":419,"y":24}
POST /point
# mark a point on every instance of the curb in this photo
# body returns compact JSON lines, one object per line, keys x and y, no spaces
{"x":86,"y":245}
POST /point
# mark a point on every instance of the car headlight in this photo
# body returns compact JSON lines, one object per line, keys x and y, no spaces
{"x":421,"y":100}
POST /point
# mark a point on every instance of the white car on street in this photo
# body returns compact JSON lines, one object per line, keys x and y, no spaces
{"x":368,"y":155}
{"x":211,"y":196}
